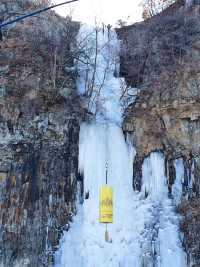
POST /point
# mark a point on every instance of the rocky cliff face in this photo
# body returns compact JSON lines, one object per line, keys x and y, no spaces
{"x":161,"y":57}
{"x":40,"y":114}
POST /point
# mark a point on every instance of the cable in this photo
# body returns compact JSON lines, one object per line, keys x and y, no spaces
{"x":107,"y":150}
{"x":35,"y":13}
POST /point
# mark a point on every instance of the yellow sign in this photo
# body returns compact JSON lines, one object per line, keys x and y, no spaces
{"x":106,"y":205}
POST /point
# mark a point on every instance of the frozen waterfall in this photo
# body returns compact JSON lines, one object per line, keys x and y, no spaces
{"x":145,"y":231}
{"x":161,"y":239}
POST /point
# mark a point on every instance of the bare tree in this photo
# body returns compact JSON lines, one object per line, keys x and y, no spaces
{"x":153,"y":7}
{"x":43,"y":2}
{"x":94,"y":64}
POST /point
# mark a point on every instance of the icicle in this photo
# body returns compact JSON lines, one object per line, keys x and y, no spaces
{"x":188,"y":3}
{"x":177,"y":186}
{"x":153,"y":176}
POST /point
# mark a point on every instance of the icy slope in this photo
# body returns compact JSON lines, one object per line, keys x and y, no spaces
{"x":85,"y":241}
{"x":145,"y":229}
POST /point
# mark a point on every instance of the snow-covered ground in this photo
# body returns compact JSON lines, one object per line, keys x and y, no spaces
{"x":145,"y":230}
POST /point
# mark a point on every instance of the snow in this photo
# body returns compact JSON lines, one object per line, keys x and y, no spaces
{"x":145,"y":230}
{"x":171,"y":251}
{"x":6,"y":137}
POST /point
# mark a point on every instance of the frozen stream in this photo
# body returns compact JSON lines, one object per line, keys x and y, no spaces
{"x":145,"y":230}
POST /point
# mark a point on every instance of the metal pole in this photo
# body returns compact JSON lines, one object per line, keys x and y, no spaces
{"x":35,"y":13}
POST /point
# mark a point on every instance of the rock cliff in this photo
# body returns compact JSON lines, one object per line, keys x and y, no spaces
{"x":161,"y":58}
{"x":40,"y":114}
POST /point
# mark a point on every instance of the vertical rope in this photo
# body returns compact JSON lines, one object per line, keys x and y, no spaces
{"x":106,"y":232}
{"x":107,"y":153}
{"x":106,"y":173}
